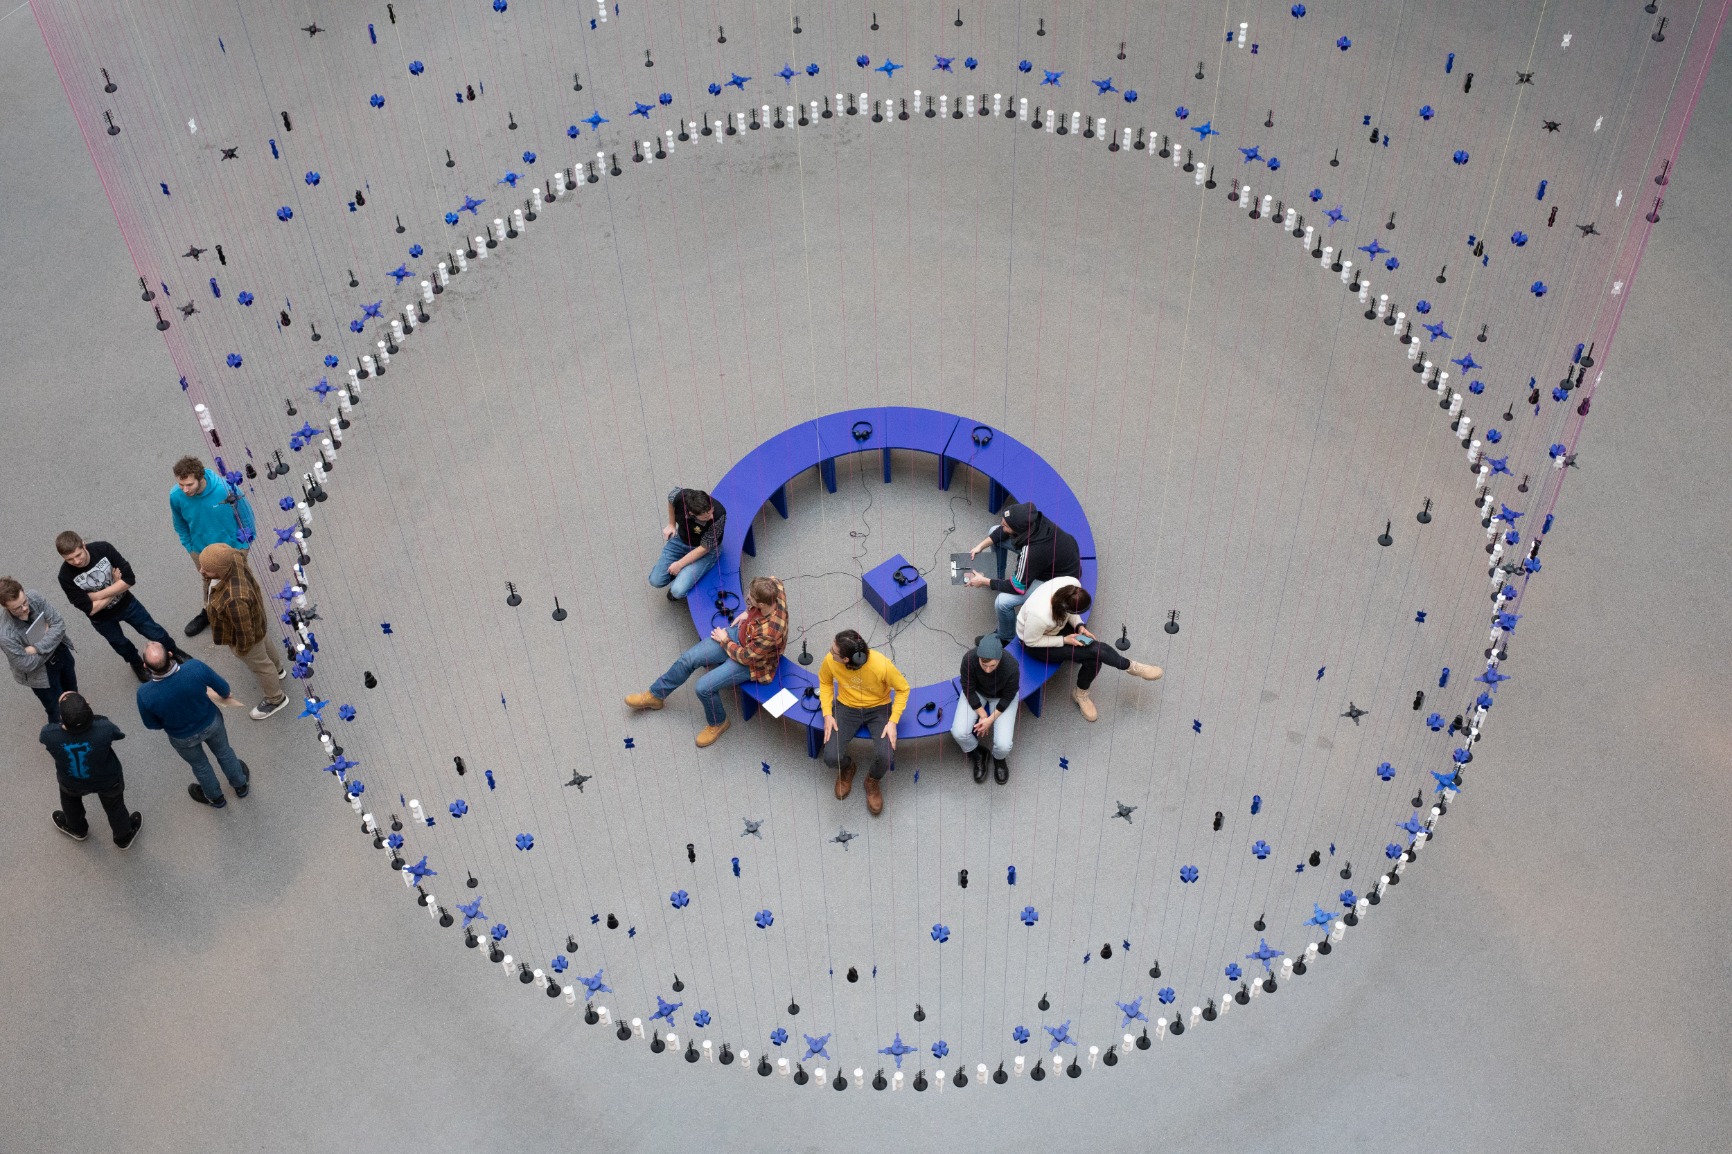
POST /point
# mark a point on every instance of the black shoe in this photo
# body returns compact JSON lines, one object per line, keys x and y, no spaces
{"x":140,"y":672}
{"x":671,"y":596}
{"x":977,"y":759}
{"x":193,"y":791}
{"x":1000,"y":770}
{"x":132,"y":836}
{"x":198,"y":624}
{"x":60,"y":824}
{"x":241,"y":791}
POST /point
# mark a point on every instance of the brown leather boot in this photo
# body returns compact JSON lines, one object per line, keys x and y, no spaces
{"x":643,"y":701}
{"x":1081,"y":697}
{"x":874,"y":796}
{"x":845,"y":779}
{"x":708,"y":734}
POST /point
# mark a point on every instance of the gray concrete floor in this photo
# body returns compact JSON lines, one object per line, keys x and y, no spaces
{"x":1550,"y":980}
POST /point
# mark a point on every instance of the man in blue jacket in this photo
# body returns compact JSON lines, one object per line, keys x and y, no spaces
{"x":207,"y":510}
{"x":181,"y":698}
{"x":82,"y":746}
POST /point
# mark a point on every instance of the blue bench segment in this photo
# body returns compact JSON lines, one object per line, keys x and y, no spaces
{"x":1017,"y":471}
{"x":893,"y":601}
{"x":761,"y":477}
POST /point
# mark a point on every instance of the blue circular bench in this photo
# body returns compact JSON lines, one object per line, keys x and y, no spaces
{"x":1012,"y":469}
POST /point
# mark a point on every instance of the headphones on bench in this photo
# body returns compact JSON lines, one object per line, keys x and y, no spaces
{"x":982,"y":436}
{"x":862,"y":431}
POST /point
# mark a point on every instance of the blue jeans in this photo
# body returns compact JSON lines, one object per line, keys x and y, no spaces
{"x":191,"y":750}
{"x":140,"y":619}
{"x":1003,"y":729}
{"x":1007,"y":604}
{"x":683,"y":581}
{"x":726,"y":672}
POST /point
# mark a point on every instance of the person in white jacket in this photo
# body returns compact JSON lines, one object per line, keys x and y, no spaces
{"x":1051,"y":629}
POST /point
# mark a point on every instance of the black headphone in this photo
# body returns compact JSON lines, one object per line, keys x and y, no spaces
{"x":723,"y":597}
{"x":862,"y":431}
{"x":856,"y":656}
{"x":936,"y":718}
{"x":982,"y":436}
{"x":899,"y":577}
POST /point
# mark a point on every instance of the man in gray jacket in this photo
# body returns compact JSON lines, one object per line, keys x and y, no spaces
{"x":33,"y":637}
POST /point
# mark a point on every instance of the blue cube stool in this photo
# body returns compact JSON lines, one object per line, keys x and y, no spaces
{"x":894,"y":600}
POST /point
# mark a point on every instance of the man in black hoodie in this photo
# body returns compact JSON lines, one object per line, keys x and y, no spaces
{"x":1044,"y":552}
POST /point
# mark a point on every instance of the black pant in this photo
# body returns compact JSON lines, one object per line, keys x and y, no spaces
{"x":113,"y":804}
{"x":848,"y":723}
{"x":62,"y":673}
{"x":136,"y":615}
{"x":1089,"y":659}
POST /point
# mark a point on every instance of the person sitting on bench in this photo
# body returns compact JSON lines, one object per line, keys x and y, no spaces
{"x":749,"y":649}
{"x":990,"y":678}
{"x":691,"y":542}
{"x":1051,"y":630}
{"x":856,"y":688}
{"x":1044,"y":552}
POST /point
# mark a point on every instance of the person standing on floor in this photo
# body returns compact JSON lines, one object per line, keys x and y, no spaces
{"x":235,"y":606}
{"x":181,"y":699}
{"x":990,"y":680}
{"x":1051,"y":629}
{"x":98,"y":582}
{"x":691,"y":542}
{"x":207,"y":510}
{"x":82,"y":746}
{"x":857,"y":687}
{"x":749,"y":649}
{"x":33,"y":636}
{"x":1044,"y":552}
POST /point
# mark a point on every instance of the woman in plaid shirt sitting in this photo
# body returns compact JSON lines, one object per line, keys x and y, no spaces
{"x":748,"y":649}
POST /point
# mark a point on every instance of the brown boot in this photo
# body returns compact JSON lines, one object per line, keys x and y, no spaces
{"x":845,"y":779}
{"x":874,"y":796}
{"x":644,"y":701}
{"x":708,"y":734}
{"x":1145,"y":671}
{"x":1081,"y":697}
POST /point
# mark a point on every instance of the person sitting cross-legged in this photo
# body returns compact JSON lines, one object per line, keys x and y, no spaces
{"x":858,"y":687}
{"x":990,"y":679}
{"x":1051,"y":629}
{"x":749,"y":649}
{"x":691,"y":542}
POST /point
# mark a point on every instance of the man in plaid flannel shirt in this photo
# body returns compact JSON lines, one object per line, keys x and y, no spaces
{"x":749,"y":649}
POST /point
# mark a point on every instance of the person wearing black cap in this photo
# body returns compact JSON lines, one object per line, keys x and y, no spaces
{"x":1044,"y":552}
{"x":990,"y":678}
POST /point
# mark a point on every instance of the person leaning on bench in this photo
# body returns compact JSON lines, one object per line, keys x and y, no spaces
{"x":1044,"y":552}
{"x":855,"y":687}
{"x":1051,"y":630}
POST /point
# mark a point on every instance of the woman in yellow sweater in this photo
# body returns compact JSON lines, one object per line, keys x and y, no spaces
{"x":858,"y":687}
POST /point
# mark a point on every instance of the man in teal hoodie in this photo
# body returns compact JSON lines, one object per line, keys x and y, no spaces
{"x":207,"y":510}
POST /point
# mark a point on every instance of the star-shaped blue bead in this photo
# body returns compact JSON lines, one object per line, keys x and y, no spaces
{"x":898,"y":1049}
{"x":888,"y":68}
